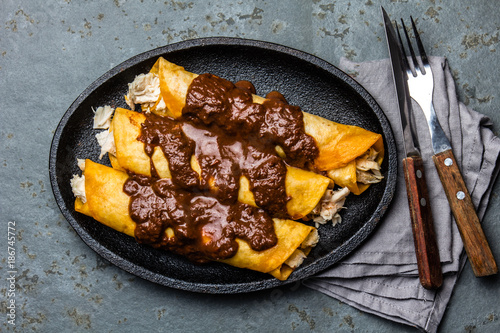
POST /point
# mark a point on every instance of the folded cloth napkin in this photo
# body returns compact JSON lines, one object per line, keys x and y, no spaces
{"x":381,"y":276}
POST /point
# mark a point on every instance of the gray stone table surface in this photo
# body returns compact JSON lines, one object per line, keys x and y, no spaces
{"x":50,"y":51}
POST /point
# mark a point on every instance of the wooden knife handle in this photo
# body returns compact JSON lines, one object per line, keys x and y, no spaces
{"x":424,"y":236}
{"x":475,"y":242}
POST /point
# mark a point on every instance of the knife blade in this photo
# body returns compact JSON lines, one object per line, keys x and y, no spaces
{"x":424,"y":236}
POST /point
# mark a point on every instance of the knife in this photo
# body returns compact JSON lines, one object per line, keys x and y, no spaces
{"x":424,"y":236}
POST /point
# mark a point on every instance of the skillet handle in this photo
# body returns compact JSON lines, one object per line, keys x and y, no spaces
{"x":475,"y":242}
{"x":424,"y":236}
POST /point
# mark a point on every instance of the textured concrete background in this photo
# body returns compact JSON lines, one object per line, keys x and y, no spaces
{"x":50,"y":51}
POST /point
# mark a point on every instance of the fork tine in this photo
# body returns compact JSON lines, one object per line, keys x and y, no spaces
{"x":405,"y":57}
{"x":421,"y":50}
{"x":414,"y":58}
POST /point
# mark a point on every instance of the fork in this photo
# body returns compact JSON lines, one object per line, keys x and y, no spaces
{"x":421,"y":86}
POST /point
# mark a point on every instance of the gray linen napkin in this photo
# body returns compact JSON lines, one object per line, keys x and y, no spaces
{"x":381,"y":276}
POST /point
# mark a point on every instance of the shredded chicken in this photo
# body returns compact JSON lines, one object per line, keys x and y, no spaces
{"x":367,"y":169}
{"x":161,"y":106}
{"x":329,"y":206}
{"x":298,"y":256}
{"x":311,"y":240}
{"x":102,"y":117}
{"x":296,"y":259}
{"x":107,"y":142}
{"x":145,"y":90}
{"x":81,"y":163}
{"x":78,"y":187}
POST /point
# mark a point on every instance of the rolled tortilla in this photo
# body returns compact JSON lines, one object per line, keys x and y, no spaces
{"x":305,"y":188}
{"x":338,"y":144}
{"x":108,"y":204}
{"x":348,"y":175}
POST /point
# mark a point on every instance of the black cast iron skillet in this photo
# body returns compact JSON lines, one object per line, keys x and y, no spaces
{"x":305,"y":80}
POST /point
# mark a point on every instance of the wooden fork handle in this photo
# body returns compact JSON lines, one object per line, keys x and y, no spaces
{"x":424,"y":236}
{"x":475,"y":242}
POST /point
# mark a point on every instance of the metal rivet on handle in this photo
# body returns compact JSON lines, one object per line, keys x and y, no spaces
{"x":448,"y":162}
{"x":460,"y":195}
{"x":419,"y":174}
{"x":423,"y":202}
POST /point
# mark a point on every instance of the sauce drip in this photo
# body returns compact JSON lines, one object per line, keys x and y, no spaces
{"x":231,"y":137}
{"x":177,"y":148}
{"x":224,"y":159}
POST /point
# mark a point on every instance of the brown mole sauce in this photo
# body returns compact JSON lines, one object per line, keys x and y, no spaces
{"x":203,"y":228}
{"x":211,"y":99}
{"x":231,"y":137}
